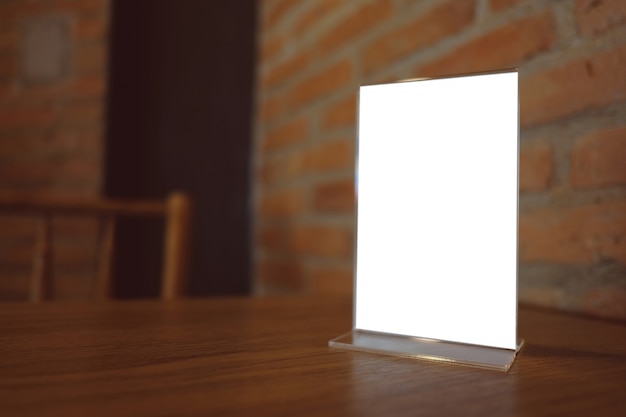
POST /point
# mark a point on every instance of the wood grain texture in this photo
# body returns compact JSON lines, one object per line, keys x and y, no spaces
{"x":269,"y":357}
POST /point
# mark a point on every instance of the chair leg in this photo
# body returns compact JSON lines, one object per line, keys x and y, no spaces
{"x":176,"y":246}
{"x":41,"y":286}
{"x":103,"y":286}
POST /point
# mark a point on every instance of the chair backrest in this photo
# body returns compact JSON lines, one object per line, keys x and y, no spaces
{"x":175,"y":210}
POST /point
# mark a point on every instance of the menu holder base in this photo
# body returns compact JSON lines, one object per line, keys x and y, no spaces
{"x":428,"y":349}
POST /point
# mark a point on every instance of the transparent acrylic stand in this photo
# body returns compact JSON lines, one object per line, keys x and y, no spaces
{"x":436,"y":187}
{"x":428,"y":349}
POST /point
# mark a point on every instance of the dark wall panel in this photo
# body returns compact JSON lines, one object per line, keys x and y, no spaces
{"x":180,"y":118}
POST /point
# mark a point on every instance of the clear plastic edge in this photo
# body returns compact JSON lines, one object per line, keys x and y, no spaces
{"x":427,"y":349}
{"x":463,"y":354}
{"x":345,"y":341}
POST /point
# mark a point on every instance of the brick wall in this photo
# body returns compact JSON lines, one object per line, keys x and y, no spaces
{"x":52,"y":91}
{"x":313,"y":55}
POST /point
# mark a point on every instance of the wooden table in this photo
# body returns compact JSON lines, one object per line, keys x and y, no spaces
{"x":269,"y":356}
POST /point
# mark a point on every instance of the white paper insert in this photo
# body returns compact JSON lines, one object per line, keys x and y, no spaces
{"x":437,"y":184}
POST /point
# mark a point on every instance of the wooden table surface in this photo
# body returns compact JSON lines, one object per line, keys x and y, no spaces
{"x":269,"y":356}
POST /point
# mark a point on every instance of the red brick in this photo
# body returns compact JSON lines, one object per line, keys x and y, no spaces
{"x":606,"y":302}
{"x":8,"y":38}
{"x":91,"y":86}
{"x":599,"y":159}
{"x":73,"y":284}
{"x":73,"y":247}
{"x":75,"y":228}
{"x":594,"y":17}
{"x":269,"y":172}
{"x":325,"y":157}
{"x":285,"y":168}
{"x":318,"y":11}
{"x":270,"y":109}
{"x":436,"y":24}
{"x":87,"y":29}
{"x":79,"y":256}
{"x":285,"y":70}
{"x":65,"y":188}
{"x":265,"y":173}
{"x":536,"y":166}
{"x":277,"y":12}
{"x":7,"y":92}
{"x":507,"y":46}
{"x":81,"y":187}
{"x":334,"y":197}
{"x":11,"y":147}
{"x":49,"y":172}
{"x":271,"y":48}
{"x":10,"y":11}
{"x":26,"y":117}
{"x":23,"y":9}
{"x":498,"y":5}
{"x":328,"y":80}
{"x":91,"y":29}
{"x":17,"y":228}
{"x":341,"y":113}
{"x":23,"y":228}
{"x":84,"y":6}
{"x":579,"y":85}
{"x":286,"y":274}
{"x":17,"y":255}
{"x":81,"y":113}
{"x":8,"y":67}
{"x":321,"y":241}
{"x":332,"y":280}
{"x":76,"y":254}
{"x":580,"y":235}
{"x":79,"y":144}
{"x":330,"y":156}
{"x":91,"y":58}
{"x":271,"y":237}
{"x":364,"y":19}
{"x":281,"y":203}
{"x":292,"y":132}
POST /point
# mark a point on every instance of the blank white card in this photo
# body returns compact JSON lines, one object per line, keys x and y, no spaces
{"x":437,"y":187}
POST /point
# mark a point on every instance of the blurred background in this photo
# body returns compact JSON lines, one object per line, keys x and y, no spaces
{"x":250,"y":106}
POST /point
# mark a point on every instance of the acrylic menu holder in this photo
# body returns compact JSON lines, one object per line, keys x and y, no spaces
{"x":436,"y":229}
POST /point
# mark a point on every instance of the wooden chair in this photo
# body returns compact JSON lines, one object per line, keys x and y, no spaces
{"x":175,"y":210}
